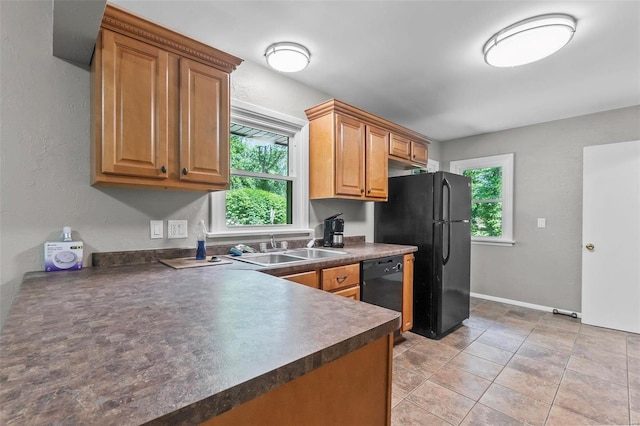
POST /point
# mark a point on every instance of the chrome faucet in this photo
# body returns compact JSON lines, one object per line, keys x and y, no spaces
{"x":273,"y":241}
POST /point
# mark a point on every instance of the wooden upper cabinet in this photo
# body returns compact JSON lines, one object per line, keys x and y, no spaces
{"x":349,"y":151}
{"x":377,"y":172}
{"x":419,"y":153}
{"x":204,"y":123}
{"x":404,"y":150}
{"x":399,"y":147}
{"x":160,"y":108}
{"x":349,"y":156}
{"x":135,"y":139}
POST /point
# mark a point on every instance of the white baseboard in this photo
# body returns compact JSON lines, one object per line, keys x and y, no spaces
{"x":519,"y":303}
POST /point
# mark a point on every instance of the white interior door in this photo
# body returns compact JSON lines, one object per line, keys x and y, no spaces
{"x":611,"y":236}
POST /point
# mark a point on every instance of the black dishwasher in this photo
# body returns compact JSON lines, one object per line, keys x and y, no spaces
{"x":382,"y":282}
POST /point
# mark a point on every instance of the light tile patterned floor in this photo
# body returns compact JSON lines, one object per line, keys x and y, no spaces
{"x":511,"y":365}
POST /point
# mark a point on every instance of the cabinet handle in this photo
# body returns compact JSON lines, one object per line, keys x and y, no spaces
{"x":163,"y":169}
{"x":369,"y":192}
{"x":362,"y":191}
{"x":185,"y":171}
{"x":341,"y":278}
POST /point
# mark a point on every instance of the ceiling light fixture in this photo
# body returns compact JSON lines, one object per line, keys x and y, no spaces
{"x":529,"y":40}
{"x":287,"y":56}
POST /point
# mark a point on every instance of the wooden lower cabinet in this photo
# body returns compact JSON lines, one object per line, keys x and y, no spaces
{"x":345,"y":281}
{"x":407,"y":293}
{"x":307,"y":278}
{"x":351,"y":292}
{"x":352,"y":390}
{"x":342,"y":280}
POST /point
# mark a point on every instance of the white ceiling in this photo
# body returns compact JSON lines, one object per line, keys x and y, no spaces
{"x":420,"y":63}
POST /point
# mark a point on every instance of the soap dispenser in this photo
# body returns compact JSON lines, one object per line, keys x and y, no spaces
{"x":201,"y":251}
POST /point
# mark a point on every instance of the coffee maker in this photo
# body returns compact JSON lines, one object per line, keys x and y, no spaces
{"x":333,"y":232}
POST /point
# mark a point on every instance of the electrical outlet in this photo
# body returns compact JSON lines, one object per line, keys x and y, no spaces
{"x":542,"y":222}
{"x":177,"y":229}
{"x":156,"y":229}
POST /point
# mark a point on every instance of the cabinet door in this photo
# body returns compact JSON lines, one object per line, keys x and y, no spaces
{"x":377,"y":174}
{"x":419,"y":152}
{"x":307,"y":278}
{"x":349,"y":156}
{"x":351,"y":293}
{"x":400,"y":147}
{"x":135,"y":108}
{"x":407,"y":293}
{"x":204,"y":119}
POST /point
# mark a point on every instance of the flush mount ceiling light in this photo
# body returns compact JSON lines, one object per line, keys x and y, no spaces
{"x":529,"y":40}
{"x":287,"y":57}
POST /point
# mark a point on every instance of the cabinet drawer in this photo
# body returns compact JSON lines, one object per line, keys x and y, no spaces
{"x":341,"y":277}
{"x":307,"y":278}
{"x":351,"y":292}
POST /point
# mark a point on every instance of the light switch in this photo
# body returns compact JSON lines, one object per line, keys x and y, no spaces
{"x":542,"y":222}
{"x":156,"y":229}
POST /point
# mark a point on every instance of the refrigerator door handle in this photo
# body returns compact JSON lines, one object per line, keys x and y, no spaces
{"x":445,"y":259}
{"x":445,"y":203}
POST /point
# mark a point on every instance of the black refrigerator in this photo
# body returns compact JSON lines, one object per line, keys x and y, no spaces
{"x":432,"y":211}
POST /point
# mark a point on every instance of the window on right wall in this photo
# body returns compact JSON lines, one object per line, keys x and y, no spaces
{"x":491,"y":197}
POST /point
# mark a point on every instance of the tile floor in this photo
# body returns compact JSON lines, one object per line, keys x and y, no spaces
{"x":511,"y":365}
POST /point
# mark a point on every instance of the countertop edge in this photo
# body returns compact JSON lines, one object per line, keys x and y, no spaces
{"x":233,"y":397}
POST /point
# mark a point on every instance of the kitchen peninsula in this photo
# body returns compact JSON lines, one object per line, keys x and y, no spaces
{"x":146,"y":343}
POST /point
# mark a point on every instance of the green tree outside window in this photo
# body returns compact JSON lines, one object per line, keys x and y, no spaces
{"x":486,"y":201}
{"x":258,"y":194}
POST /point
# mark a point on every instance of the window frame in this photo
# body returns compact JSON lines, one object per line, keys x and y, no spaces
{"x":506,"y":162}
{"x":297,"y":130}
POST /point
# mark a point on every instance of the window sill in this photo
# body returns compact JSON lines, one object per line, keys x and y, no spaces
{"x":261,"y":232}
{"x":503,"y":243}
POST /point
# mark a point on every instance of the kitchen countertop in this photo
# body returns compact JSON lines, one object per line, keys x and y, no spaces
{"x":147,"y":343}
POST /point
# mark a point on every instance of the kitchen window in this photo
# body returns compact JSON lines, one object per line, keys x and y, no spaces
{"x":269,"y":176}
{"x":491,"y":197}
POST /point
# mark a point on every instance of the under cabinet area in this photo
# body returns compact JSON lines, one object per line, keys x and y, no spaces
{"x":160,"y":105}
{"x":349,"y":152}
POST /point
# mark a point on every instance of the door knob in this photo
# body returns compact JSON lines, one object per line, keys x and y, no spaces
{"x":590,"y":246}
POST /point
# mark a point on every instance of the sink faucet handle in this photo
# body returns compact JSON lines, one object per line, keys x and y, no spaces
{"x":311,"y":243}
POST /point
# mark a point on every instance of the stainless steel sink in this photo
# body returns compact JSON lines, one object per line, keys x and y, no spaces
{"x":314,"y":253}
{"x":269,"y":259}
{"x":295,"y":255}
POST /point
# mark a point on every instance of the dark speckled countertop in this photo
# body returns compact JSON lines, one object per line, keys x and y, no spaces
{"x":129,"y":345}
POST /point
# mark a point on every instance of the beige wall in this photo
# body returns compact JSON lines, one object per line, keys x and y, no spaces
{"x":544,"y":266}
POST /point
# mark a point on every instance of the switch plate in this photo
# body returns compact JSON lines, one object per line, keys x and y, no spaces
{"x":177,"y":229}
{"x":156,"y":229}
{"x":542,"y":222}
